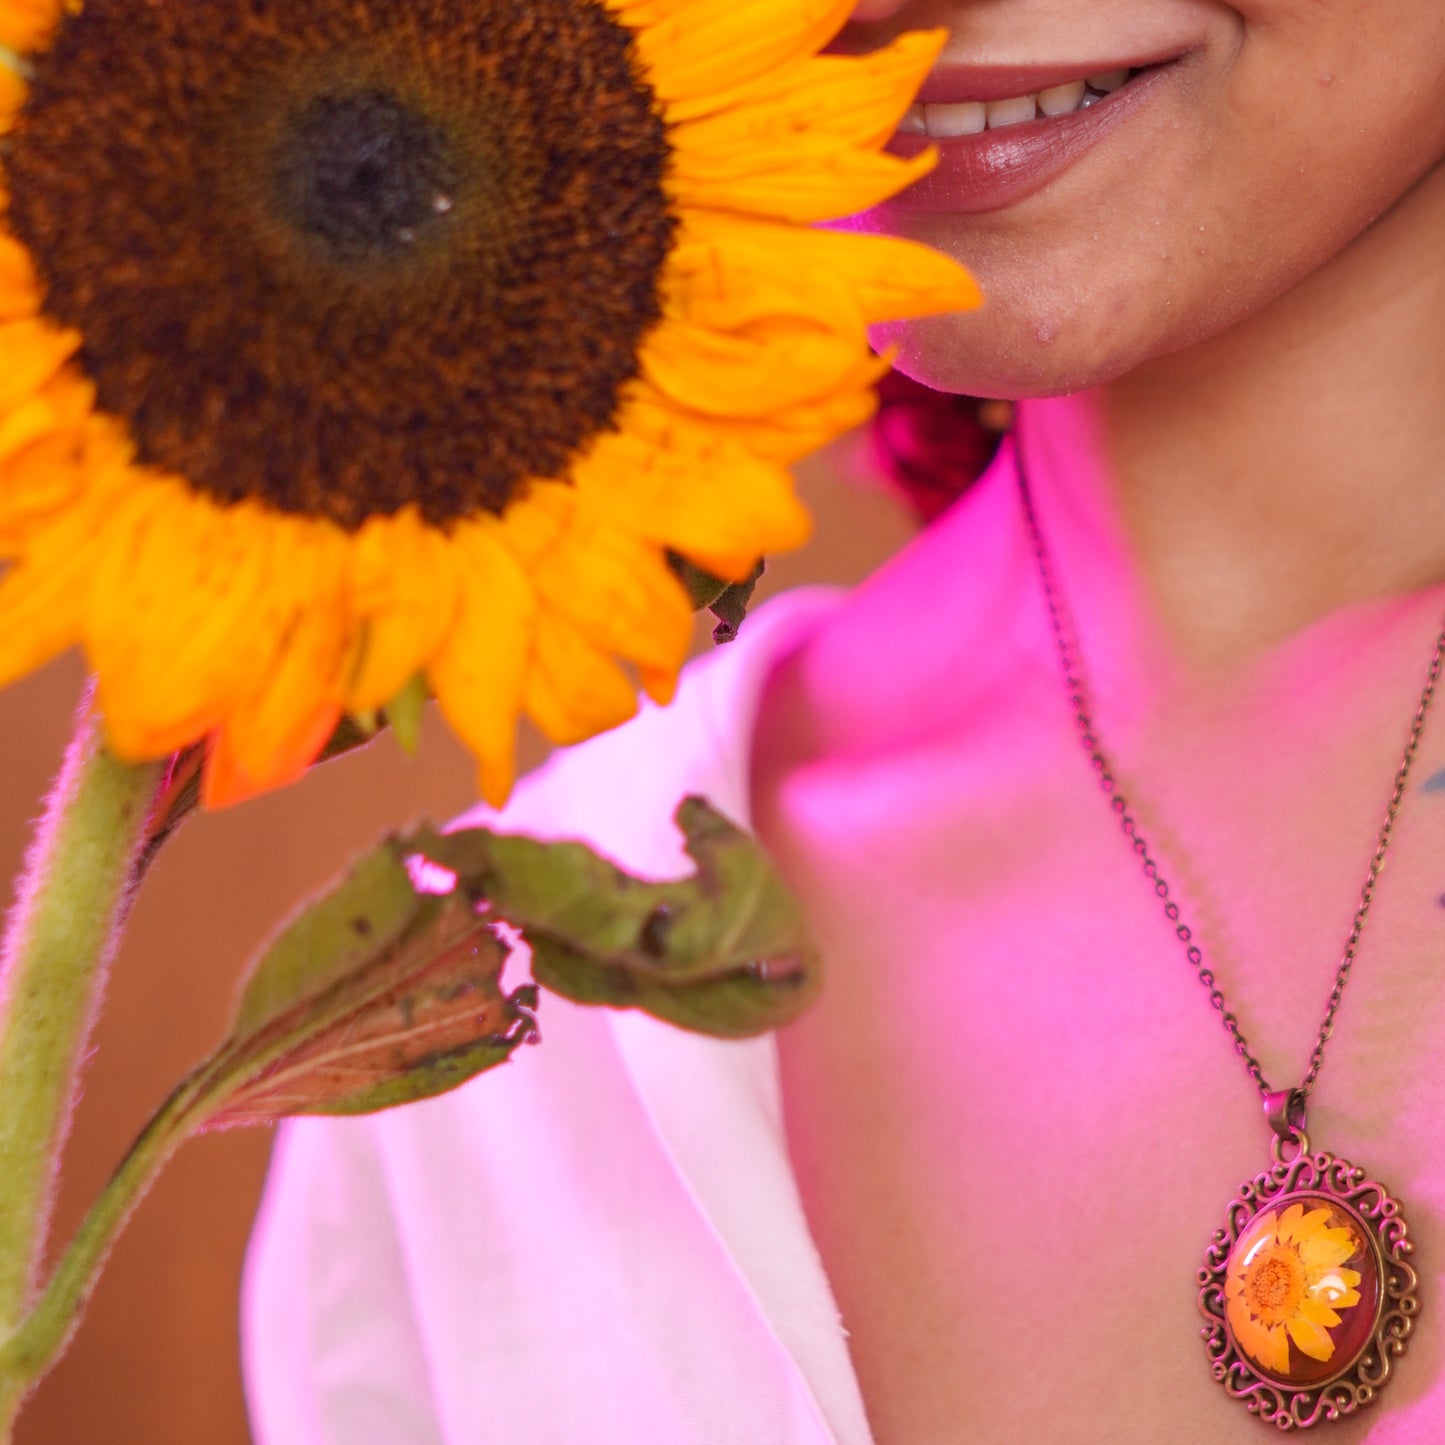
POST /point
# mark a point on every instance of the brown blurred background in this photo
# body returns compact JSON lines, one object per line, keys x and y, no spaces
{"x":155,"y":1362}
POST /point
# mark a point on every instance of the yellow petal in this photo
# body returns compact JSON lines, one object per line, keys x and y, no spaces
{"x":699,"y":55}
{"x":1266,"y":1227}
{"x":1318,"y":1313}
{"x":271,"y":736}
{"x":657,"y":479}
{"x":890,"y":278}
{"x":574,"y":690}
{"x":797,"y":114}
{"x":1325,"y":1249}
{"x":25,"y":25}
{"x":183,"y":619}
{"x":619,"y":592}
{"x":750,"y":374}
{"x":1310,"y":1338}
{"x":51,"y":469}
{"x":12,"y":97}
{"x":1292,"y":1223}
{"x":478,"y":675}
{"x":1266,"y":1345}
{"x":837,"y":185}
{"x":404,"y":595}
{"x":43,"y":597}
{"x":19,"y":289}
{"x":31,"y":352}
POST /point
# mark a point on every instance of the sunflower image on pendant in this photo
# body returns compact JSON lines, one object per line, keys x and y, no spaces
{"x":351,"y":343}
{"x":1302,"y":1291}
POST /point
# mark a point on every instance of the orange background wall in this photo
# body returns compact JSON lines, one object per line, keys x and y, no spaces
{"x":155,"y":1362}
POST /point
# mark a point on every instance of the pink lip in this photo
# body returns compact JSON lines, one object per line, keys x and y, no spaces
{"x":999,"y":168}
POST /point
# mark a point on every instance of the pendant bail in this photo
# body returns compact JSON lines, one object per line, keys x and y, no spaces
{"x":1285,"y":1112}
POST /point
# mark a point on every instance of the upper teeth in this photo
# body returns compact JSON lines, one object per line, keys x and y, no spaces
{"x":972,"y":116}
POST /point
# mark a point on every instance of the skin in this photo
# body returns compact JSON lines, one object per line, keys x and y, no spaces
{"x":1014,"y":1119}
{"x":1285,"y":200}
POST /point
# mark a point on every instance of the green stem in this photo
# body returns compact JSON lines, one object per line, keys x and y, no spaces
{"x":41,"y":1337}
{"x":53,"y":963}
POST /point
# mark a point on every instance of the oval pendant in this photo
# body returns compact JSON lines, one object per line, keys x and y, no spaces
{"x":1307,"y":1290}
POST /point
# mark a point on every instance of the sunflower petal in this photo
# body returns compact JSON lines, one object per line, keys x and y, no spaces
{"x":839,"y":184}
{"x":42,"y":598}
{"x":776,"y":365}
{"x":796,"y":115}
{"x":34,"y":350}
{"x":1318,"y":1313}
{"x":697,"y":55}
{"x":275,"y":733}
{"x":1267,"y":1345}
{"x":404,"y":593}
{"x":51,"y":469}
{"x":12,"y":96}
{"x":890,"y":278}
{"x":25,"y":25}
{"x":479,"y":673}
{"x":573,"y":689}
{"x":705,"y":501}
{"x":620,"y":592}
{"x":19,"y":288}
{"x":1326,"y":1249}
{"x":1310,"y":1338}
{"x":182,"y":619}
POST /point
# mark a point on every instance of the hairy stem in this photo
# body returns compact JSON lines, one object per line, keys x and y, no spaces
{"x":54,"y":957}
{"x":42,"y":1336}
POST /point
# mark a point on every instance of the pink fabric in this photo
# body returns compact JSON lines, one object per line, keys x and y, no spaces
{"x":600,"y":1242}
{"x":603,"y":1241}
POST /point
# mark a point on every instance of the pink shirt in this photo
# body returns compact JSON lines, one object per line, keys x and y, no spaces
{"x":600,"y":1241}
{"x":603,"y":1242}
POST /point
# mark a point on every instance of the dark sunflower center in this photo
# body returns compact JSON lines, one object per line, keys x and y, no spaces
{"x":346,"y":255}
{"x":365,"y":174}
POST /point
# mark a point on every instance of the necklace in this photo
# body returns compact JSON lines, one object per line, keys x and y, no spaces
{"x":1307,"y":1292}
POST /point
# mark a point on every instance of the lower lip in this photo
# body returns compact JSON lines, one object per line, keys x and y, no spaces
{"x":999,"y":168}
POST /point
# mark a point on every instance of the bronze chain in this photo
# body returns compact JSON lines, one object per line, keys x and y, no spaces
{"x":1088,"y":735}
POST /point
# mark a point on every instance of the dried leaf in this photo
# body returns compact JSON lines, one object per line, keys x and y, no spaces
{"x":427,"y":1032}
{"x":726,"y":951}
{"x":375,"y":994}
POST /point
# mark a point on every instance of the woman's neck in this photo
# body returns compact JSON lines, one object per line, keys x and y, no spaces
{"x":1295,"y":464}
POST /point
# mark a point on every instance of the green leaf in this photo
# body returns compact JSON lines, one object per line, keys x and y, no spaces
{"x":439,"y":1018}
{"x":375,"y":994}
{"x":329,"y":939}
{"x":405,"y":712}
{"x":726,"y":951}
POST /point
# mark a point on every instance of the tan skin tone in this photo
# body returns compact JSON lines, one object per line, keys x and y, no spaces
{"x":1251,"y":284}
{"x":1271,"y":238}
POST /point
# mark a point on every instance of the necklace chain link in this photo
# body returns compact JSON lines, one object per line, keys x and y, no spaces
{"x":1089,"y":737}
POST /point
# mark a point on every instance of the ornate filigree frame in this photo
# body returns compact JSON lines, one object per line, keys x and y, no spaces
{"x":1360,"y":1378}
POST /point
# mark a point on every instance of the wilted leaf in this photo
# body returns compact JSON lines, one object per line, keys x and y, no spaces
{"x":375,"y":994}
{"x":330,"y":938}
{"x":388,"y":988}
{"x":429,"y":1030}
{"x":725,"y":952}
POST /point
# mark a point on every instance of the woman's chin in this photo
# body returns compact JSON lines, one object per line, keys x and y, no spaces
{"x":1011,"y":362}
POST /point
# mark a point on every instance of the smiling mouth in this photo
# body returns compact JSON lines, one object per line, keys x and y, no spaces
{"x":944,"y":120}
{"x":1004,"y":132}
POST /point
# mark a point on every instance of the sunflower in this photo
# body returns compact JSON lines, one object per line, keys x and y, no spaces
{"x":1287,"y":1282}
{"x":346,"y":343}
